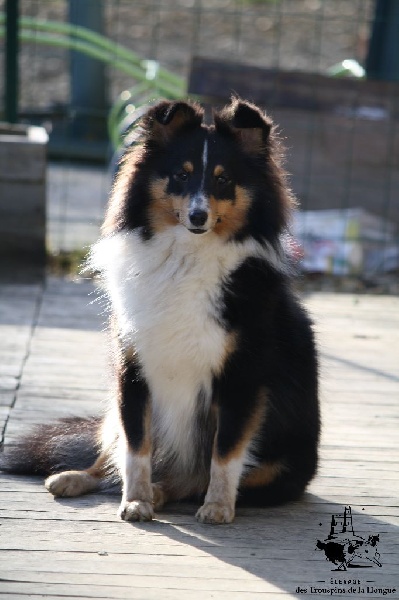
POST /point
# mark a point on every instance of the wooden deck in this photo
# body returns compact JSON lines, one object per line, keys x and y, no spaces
{"x":53,"y":362}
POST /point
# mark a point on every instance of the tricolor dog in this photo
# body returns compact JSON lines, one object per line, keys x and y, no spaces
{"x":216,"y":369}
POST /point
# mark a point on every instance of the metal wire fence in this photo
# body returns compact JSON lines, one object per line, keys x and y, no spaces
{"x":344,"y":157}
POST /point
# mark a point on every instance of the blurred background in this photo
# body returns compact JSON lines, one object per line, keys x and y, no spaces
{"x":326,"y":70}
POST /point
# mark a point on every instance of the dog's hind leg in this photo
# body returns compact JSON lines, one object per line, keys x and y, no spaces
{"x":76,"y":483}
{"x":159,"y":496}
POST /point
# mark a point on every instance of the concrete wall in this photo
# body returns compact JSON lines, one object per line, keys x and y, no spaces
{"x":22,"y":196}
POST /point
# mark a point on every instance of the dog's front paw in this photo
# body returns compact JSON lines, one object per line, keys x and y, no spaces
{"x":137,"y":510}
{"x":215,"y":513}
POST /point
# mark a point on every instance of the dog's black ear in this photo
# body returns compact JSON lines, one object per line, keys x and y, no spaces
{"x":247,"y":122}
{"x":166,"y":118}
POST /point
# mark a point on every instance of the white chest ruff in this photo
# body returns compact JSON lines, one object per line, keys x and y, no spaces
{"x":166,"y":294}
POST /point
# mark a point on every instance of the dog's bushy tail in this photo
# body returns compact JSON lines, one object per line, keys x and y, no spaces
{"x":68,"y":443}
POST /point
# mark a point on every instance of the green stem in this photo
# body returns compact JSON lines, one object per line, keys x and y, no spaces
{"x":97,"y":40}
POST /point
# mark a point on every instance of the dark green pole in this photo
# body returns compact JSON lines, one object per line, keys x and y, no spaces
{"x":383,"y":55}
{"x":11,"y":62}
{"x":88,"y":81}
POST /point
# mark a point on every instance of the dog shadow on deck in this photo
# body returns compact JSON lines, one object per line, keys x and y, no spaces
{"x":279,"y":546}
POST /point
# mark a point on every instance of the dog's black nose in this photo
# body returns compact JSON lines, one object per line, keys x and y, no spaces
{"x":198,"y":217}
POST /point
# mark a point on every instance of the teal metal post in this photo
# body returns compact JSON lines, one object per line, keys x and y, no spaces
{"x":11,"y":62}
{"x":88,"y":81}
{"x":383,"y":55}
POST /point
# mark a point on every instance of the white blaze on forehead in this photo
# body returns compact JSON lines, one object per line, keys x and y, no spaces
{"x":204,"y":163}
{"x":199,"y":200}
{"x":204,"y":160}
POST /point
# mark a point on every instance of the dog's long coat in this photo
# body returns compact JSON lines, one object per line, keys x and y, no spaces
{"x":215,"y":359}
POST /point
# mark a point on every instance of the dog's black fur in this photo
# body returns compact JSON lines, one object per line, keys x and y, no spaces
{"x":208,"y":205}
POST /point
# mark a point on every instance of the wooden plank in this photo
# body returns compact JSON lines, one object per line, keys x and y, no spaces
{"x":19,"y":306}
{"x":79,"y":548}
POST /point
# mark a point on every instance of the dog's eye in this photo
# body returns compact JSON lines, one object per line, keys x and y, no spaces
{"x":181,"y":175}
{"x":222,"y":179}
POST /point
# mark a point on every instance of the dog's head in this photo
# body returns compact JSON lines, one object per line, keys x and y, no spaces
{"x":224,"y":178}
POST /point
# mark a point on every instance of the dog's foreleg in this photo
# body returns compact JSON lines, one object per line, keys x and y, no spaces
{"x":135,"y":445}
{"x":239,"y":417}
{"x":219,"y":504}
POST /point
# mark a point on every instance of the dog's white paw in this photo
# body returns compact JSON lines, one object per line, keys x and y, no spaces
{"x":70,"y":483}
{"x":215,"y":513}
{"x":137,"y":510}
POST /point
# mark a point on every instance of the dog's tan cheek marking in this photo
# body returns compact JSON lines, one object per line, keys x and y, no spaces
{"x":231,"y":216}
{"x":180,"y":206}
{"x":161,"y":212}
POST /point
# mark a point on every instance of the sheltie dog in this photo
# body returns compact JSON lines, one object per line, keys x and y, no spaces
{"x":215,"y":360}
